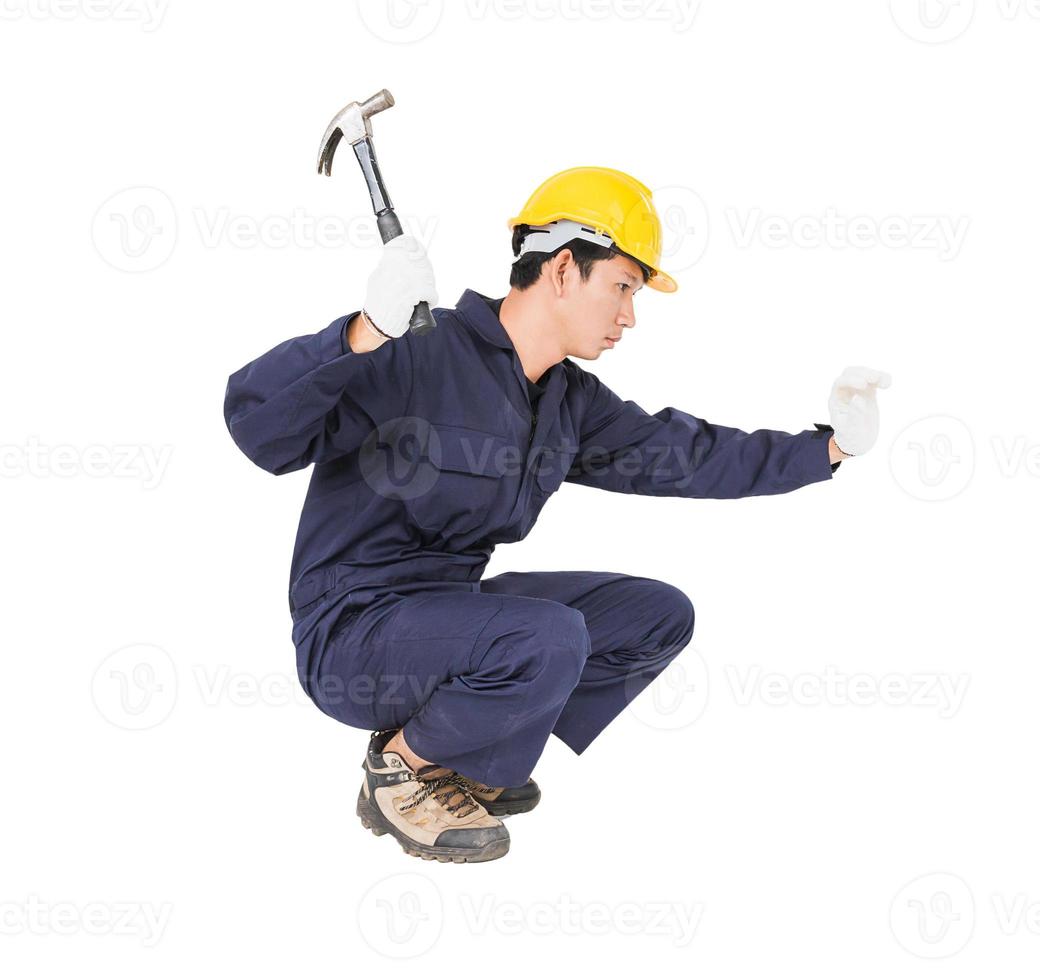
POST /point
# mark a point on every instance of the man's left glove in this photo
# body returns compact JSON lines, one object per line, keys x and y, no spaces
{"x":853,"y":408}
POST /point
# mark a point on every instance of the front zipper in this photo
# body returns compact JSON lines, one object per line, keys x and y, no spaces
{"x":518,"y":372}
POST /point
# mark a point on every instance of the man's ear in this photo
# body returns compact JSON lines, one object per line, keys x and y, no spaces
{"x":561,"y":263}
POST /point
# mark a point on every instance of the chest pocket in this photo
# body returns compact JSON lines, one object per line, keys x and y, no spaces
{"x":552,"y":466}
{"x":466,"y":483}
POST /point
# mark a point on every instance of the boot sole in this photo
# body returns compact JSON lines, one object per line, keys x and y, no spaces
{"x":372,"y":819}
{"x":508,"y":809}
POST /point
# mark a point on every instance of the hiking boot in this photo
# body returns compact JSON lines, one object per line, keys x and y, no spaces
{"x":428,"y":811}
{"x":501,"y":801}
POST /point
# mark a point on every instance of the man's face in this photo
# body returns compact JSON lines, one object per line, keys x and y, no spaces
{"x":600,"y":308}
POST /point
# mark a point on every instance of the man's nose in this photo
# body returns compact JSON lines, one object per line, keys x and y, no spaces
{"x":627,"y":315}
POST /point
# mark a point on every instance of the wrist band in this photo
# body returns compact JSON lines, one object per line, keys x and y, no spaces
{"x":840,"y":450}
{"x":372,"y":327}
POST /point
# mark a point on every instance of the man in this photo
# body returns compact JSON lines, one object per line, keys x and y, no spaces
{"x":430,"y":450}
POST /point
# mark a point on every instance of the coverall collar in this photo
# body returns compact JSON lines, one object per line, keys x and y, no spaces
{"x":477,"y":310}
{"x":479,"y":315}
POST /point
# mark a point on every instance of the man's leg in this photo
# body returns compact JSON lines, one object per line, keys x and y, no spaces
{"x":401,"y":747}
{"x":636,"y":627}
{"x":475,"y":681}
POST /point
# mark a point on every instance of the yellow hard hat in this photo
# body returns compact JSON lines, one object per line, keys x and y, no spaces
{"x":607,"y":207}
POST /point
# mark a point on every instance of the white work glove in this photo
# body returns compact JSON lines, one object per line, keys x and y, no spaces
{"x":402,"y":279}
{"x":853,"y":408}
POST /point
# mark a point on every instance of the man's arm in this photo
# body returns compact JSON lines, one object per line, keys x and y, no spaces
{"x":362,"y":337}
{"x":836,"y":454}
{"x":673,"y":453}
{"x":317,"y":397}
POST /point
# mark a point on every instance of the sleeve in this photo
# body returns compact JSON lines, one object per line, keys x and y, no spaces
{"x":312,"y":399}
{"x":672,"y":453}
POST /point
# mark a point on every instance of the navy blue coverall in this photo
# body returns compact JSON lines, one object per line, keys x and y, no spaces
{"x":428,"y":452}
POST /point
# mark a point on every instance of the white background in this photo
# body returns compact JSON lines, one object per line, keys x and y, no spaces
{"x":749,"y":812}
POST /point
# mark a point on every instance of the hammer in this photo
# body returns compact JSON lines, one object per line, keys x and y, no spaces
{"x":352,"y":122}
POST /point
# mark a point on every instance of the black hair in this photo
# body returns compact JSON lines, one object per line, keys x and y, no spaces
{"x":526,"y":271}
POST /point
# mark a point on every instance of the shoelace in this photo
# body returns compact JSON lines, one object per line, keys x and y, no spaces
{"x":444,"y":789}
{"x":471,"y":785}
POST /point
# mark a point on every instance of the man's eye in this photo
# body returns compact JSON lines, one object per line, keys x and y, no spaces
{"x":624,"y":285}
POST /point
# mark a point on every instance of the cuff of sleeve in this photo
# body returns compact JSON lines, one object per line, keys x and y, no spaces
{"x":333,"y":339}
{"x":828,"y":429}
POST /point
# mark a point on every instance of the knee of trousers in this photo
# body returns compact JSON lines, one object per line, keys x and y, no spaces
{"x":677,"y":609}
{"x":548,"y":651}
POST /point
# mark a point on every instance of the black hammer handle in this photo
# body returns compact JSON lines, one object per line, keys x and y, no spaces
{"x":422,"y":321}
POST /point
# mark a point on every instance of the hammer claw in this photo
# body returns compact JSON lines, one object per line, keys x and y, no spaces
{"x":328,"y":149}
{"x":351,"y":121}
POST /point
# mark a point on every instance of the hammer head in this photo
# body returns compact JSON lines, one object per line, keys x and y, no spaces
{"x":351,"y":122}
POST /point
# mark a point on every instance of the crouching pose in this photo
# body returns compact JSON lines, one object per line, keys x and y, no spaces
{"x":430,"y":450}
